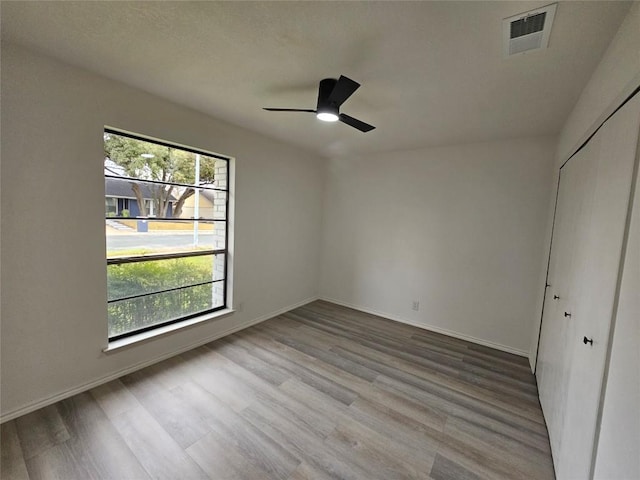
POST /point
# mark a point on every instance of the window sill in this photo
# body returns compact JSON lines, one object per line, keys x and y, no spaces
{"x":161,"y":331}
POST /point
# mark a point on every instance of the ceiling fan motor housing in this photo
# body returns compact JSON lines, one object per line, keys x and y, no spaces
{"x":324,"y":105}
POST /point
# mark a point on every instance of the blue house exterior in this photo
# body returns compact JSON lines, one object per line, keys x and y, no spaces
{"x":119,"y":196}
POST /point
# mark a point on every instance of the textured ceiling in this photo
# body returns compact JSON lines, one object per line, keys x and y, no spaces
{"x":432,"y":73}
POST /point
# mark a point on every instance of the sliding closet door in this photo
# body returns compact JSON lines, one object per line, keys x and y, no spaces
{"x":598,"y":256}
{"x":555,"y":357}
{"x":589,"y":229}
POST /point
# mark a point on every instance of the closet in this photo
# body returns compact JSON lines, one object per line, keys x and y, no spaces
{"x":587,"y":250}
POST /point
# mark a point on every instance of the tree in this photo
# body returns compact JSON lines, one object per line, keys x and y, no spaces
{"x":151,"y":161}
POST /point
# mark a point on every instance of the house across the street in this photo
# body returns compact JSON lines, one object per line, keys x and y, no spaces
{"x":119,"y":198}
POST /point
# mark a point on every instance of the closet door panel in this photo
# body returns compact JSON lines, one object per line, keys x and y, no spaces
{"x":548,"y":371}
{"x":555,"y":355}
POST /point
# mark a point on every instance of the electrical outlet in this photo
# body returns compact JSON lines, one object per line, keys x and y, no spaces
{"x":240,"y":307}
{"x":416,"y":305}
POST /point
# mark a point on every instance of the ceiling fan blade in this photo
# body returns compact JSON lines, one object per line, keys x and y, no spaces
{"x":355,"y":123}
{"x":343,"y":89}
{"x":289,"y":110}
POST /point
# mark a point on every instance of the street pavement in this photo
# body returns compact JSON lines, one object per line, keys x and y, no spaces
{"x":153,"y":240}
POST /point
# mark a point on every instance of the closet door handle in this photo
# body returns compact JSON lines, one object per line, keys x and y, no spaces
{"x":567,"y":314}
{"x":586,"y":340}
{"x":556,"y":297}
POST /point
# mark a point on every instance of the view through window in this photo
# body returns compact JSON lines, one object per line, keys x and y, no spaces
{"x":166,"y":211}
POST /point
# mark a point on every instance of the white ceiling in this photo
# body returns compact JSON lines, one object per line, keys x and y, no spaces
{"x":432,"y":73}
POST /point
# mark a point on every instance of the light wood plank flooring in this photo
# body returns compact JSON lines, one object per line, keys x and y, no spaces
{"x":317,"y":393}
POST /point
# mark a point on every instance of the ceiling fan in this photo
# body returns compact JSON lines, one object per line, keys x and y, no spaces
{"x":332,"y":94}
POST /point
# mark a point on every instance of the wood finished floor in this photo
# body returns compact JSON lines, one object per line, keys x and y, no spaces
{"x":317,"y":393}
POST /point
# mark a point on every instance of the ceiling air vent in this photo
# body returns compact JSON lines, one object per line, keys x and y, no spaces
{"x":528,"y":31}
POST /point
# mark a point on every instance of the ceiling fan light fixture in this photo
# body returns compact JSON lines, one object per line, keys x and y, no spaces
{"x":327,"y":116}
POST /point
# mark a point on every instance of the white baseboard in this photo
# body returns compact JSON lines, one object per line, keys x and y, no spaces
{"x":33,"y":406}
{"x":444,"y":331}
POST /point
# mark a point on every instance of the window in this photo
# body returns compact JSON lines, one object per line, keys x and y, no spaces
{"x":111,"y":206}
{"x":167,"y":250}
{"x":150,"y":206}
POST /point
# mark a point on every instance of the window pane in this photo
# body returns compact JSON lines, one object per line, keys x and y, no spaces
{"x":139,"y":159}
{"x":130,"y":315}
{"x":140,"y":278}
{"x":129,"y":237}
{"x":205,"y":204}
{"x":145,"y":199}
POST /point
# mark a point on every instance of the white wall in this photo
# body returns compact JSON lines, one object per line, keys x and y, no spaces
{"x":54,"y":323}
{"x":459,"y":229}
